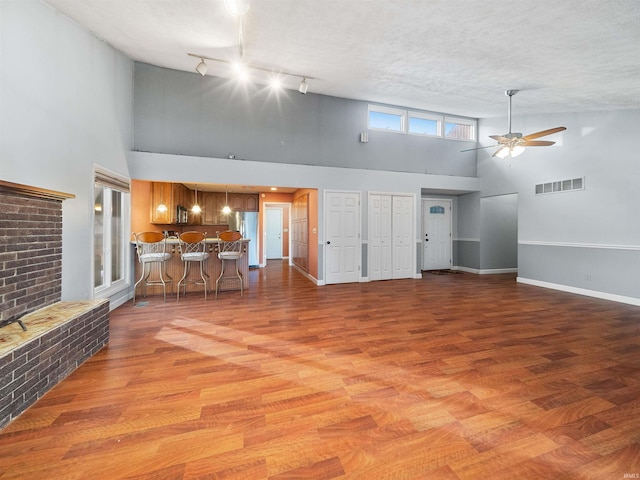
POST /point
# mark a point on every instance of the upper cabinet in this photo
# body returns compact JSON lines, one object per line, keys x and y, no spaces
{"x":171,"y":195}
{"x":252,"y":203}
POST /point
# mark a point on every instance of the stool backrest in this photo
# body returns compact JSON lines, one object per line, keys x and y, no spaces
{"x":150,"y":243}
{"x":192,"y":242}
{"x":230,"y":241}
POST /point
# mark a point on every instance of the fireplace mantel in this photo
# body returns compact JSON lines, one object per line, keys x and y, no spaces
{"x":34,"y":191}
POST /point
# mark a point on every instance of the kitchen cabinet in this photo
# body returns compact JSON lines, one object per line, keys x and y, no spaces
{"x":171,"y":195}
{"x":252,"y":203}
{"x":213,"y":202}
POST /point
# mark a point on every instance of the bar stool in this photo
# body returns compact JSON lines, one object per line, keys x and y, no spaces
{"x":230,"y":250}
{"x":193,"y":249}
{"x":152,"y":250}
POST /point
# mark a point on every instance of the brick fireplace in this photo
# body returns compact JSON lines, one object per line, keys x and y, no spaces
{"x":59,"y":336}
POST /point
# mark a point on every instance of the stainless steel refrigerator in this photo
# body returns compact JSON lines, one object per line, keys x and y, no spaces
{"x":247,"y":224}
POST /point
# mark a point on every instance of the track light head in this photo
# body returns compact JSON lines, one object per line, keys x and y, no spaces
{"x":202,"y":68}
{"x":303,"y":86}
{"x":236,"y":8}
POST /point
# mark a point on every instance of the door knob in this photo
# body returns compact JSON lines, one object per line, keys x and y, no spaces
{"x":328,"y":243}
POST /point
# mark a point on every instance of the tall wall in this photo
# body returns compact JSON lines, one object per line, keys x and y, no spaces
{"x":587,"y":241}
{"x":186,"y":126}
{"x":183,"y":113}
{"x":65,"y":103}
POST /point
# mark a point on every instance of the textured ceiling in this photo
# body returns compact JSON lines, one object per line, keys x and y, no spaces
{"x":451,"y":56}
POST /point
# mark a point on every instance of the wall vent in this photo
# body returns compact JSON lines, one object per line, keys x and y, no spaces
{"x":560,"y":186}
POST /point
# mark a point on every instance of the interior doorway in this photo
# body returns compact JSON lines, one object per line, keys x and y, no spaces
{"x":273,"y":233}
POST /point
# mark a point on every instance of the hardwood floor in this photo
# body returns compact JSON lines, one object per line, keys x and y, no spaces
{"x":448,"y":377}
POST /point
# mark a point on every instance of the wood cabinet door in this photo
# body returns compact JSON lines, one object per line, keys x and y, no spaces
{"x":236,"y":202}
{"x":252,"y":203}
{"x":222,"y":219}
{"x":209,"y":204}
{"x":161,"y":194}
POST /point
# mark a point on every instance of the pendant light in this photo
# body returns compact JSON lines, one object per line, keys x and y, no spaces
{"x":162,"y":207}
{"x":196,"y":208}
{"x":226,"y":209}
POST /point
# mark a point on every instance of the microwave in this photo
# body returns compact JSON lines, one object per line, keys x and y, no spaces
{"x":181,"y":215}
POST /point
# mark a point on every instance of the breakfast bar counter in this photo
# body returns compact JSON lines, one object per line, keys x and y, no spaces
{"x":213,"y":266}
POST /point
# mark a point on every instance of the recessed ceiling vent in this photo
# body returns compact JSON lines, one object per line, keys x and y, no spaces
{"x":560,"y":186}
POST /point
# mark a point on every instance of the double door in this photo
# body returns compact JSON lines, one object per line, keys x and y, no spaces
{"x":391,"y":250}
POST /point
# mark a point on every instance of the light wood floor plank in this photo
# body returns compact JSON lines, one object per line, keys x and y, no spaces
{"x":448,"y":377}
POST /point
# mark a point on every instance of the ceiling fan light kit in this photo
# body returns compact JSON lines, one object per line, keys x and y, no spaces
{"x":514,"y":143}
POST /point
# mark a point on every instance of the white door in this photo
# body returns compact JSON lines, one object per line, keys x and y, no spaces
{"x":402,"y":236}
{"x":274,"y":233}
{"x":436,"y":234}
{"x":380,"y":254}
{"x":342,"y":237}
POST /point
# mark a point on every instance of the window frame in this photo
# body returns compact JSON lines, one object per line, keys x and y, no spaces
{"x":425,"y":116}
{"x":388,"y":111}
{"x":111,"y":182}
{"x":460,"y":121}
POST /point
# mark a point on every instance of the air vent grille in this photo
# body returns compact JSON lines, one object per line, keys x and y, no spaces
{"x":560,"y":186}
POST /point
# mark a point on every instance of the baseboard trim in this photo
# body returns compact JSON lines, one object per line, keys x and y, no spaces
{"x":310,"y":277}
{"x":581,"y":291}
{"x":486,"y":271}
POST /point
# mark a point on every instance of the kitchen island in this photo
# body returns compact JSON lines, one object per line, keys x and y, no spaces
{"x":213,"y":266}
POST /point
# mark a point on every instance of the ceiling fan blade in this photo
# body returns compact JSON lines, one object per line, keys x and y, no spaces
{"x":477,"y":148}
{"x":543,"y":133}
{"x":499,"y":138}
{"x":537,"y":143}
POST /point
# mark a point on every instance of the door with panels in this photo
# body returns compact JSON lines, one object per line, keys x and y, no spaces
{"x":436,"y":234}
{"x":380,"y":253}
{"x":391,"y":244}
{"x":342,"y":237}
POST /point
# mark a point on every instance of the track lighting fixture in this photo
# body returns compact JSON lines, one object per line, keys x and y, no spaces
{"x":202,"y":68}
{"x":243,"y":70}
{"x":303,"y":86}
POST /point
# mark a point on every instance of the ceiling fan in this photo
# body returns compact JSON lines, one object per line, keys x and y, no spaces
{"x":514,"y":143}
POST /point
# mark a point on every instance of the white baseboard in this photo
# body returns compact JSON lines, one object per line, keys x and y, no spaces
{"x":487,"y":271}
{"x":466,"y":269}
{"x":310,"y":277}
{"x":581,"y":291}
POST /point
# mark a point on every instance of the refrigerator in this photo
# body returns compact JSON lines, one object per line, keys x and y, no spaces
{"x":247,"y":224}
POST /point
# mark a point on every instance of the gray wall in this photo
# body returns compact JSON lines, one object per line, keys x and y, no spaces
{"x":586,"y":240}
{"x":499,"y":232}
{"x":185,"y":114}
{"x":65,"y":102}
{"x":466,"y":244}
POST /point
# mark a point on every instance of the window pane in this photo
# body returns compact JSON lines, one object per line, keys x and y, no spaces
{"x":117,"y":226}
{"x":98,"y":236}
{"x":423,"y":126}
{"x":459,"y":131}
{"x":385,"y":121}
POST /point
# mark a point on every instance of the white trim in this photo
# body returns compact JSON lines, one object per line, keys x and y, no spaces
{"x":462,"y":239}
{"x":466,"y":269}
{"x":493,"y":271}
{"x":486,"y":271}
{"x":306,"y":274}
{"x":581,"y":291}
{"x":603,"y":246}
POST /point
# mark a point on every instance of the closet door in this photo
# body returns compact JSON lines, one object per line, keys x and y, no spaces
{"x":402,"y":236}
{"x":380,"y":253}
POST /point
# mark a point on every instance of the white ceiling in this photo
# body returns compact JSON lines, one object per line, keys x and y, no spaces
{"x":450,"y":56}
